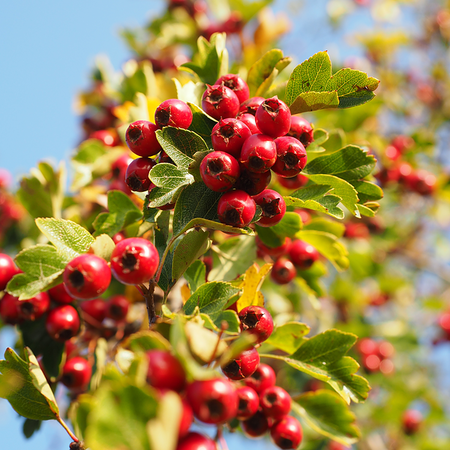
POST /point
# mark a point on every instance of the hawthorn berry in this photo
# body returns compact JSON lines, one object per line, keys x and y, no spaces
{"x":251,"y":182}
{"x":106,"y":137}
{"x":371,"y":362}
{"x":165,"y":371}
{"x":236,"y":84}
{"x":220,"y":102}
{"x":287,"y":433}
{"x":274,"y":252}
{"x":7,"y":270}
{"x":173,"y":113}
{"x":120,"y":236}
{"x":291,"y":157}
{"x":302,"y":130}
{"x":275,"y":402}
{"x":402,"y":143}
{"x":367,"y":346}
{"x":117,"y":307}
{"x":255,"y":426}
{"x":86,"y":276}
{"x":196,"y":441}
{"x":187,"y":417}
{"x":294,"y":182}
{"x":76,"y":373}
{"x":283,"y":271}
{"x":256,"y":320}
{"x":35,"y":307}
{"x":95,"y":308}
{"x":259,"y":153}
{"x":120,"y":165}
{"x":141,"y":138}
{"x":248,"y":402}
{"x":272,"y":205}
{"x":302,"y":254}
{"x":9,"y":309}
{"x":356,"y":230}
{"x":251,"y":105}
{"x":137,"y":172}
{"x":219,"y":171}
{"x":242,"y":366}
{"x":249,"y":120}
{"x":422,"y":182}
{"x":411,"y":421}
{"x":59,"y":294}
{"x":236,"y":208}
{"x":273,"y":117}
{"x":62,"y":323}
{"x":228,"y":135}
{"x":134,"y":261}
{"x":213,"y":401}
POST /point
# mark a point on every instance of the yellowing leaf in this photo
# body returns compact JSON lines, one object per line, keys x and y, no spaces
{"x":252,"y":282}
{"x":185,"y":293}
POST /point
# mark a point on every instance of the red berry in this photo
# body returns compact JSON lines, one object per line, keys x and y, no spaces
{"x":356,"y":230}
{"x":213,"y":401}
{"x":120,"y":236}
{"x":302,"y":130}
{"x":251,"y":105}
{"x":236,"y":84}
{"x":274,"y":252}
{"x":255,"y":426}
{"x":302,"y":254}
{"x":262,"y":378}
{"x":117,"y":307}
{"x":165,"y":371}
{"x":367,"y":346}
{"x":251,"y":182}
{"x":287,"y":433}
{"x":273,"y":117}
{"x":444,"y":322}
{"x":385,"y":350}
{"x":196,"y":441}
{"x":249,"y":120}
{"x":283,"y":271}
{"x":392,"y":153}
{"x":275,"y":402}
{"x":187,"y":417}
{"x":259,"y":153}
{"x":272,"y":205}
{"x":95,"y":308}
{"x":76,"y":373}
{"x":137,"y":172}
{"x":141,"y":138}
{"x":334,"y":445}
{"x":120,"y":165}
{"x":86,"y":276}
{"x":256,"y":320}
{"x":248,"y":402}
{"x":388,"y":175}
{"x":220,"y":102}
{"x":134,"y":261}
{"x":173,"y":113}
{"x":9,"y":309}
{"x":59,"y":294}
{"x":294,"y":182}
{"x":7,"y":270}
{"x":411,"y":421}
{"x":35,"y":307}
{"x":236,"y":208}
{"x":403,"y":143}
{"x":242,"y":366}
{"x":422,"y":182}
{"x":371,"y":363}
{"x":291,"y":157}
{"x":106,"y":137}
{"x":219,"y":171}
{"x":229,"y":135}
{"x":62,"y":323}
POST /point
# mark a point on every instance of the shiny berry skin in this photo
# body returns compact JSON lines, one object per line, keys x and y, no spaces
{"x":248,"y":402}
{"x":7,"y":270}
{"x":120,"y":236}
{"x":256,"y":320}
{"x":220,"y":102}
{"x":249,"y":120}
{"x":236,"y":208}
{"x":219,"y":171}
{"x":256,"y":426}
{"x":62,"y":323}
{"x":59,"y":294}
{"x":35,"y":307}
{"x":242,"y":366}
{"x":367,"y":346}
{"x":165,"y":371}
{"x":251,"y":182}
{"x":251,"y":105}
{"x":95,"y":308}
{"x":141,"y":138}
{"x":294,"y":182}
{"x":173,"y":113}
{"x":259,"y":153}
{"x":137,"y":172}
{"x":302,"y":254}
{"x":196,"y":441}
{"x":273,"y":117}
{"x":302,"y":130}
{"x":117,"y":307}
{"x":275,"y":402}
{"x":106,"y":137}
{"x":411,"y":421}
{"x":392,"y":153}
{"x":444,"y":322}
{"x":187,"y":417}
{"x":213,"y":401}
{"x":9,"y":309}
{"x":385,"y":350}
{"x":283,"y":271}
{"x":371,"y":363}
{"x":422,"y":182}
{"x":134,"y":261}
{"x":262,"y":378}
{"x":86,"y":276}
{"x":291,"y":157}
{"x":120,"y":165}
{"x":287,"y":433}
{"x":356,"y":230}
{"x":229,"y":135}
{"x":272,"y":205}
{"x":76,"y":373}
{"x":236,"y":84}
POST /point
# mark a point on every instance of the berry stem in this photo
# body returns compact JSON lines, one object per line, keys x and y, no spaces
{"x":220,"y":439}
{"x":64,"y":425}
{"x":149,"y":300}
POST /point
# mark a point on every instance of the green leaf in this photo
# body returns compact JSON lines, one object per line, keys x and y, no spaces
{"x":312,"y":86}
{"x":269,"y":237}
{"x":145,"y":340}
{"x":23,"y":384}
{"x":165,"y":281}
{"x":202,"y":124}
{"x":195,"y":275}
{"x":367,"y":211}
{"x":321,"y":224}
{"x":190,"y":248}
{"x":288,"y":337}
{"x":274,"y":236}
{"x":320,"y":137}
{"x":122,"y":212}
{"x":230,"y":317}
{"x":248,"y":9}
{"x":103,"y":247}
{"x":168,"y":176}
{"x":349,"y":163}
{"x":190,"y":93}
{"x":163,"y":196}
{"x":367,"y":191}
{"x":325,"y":412}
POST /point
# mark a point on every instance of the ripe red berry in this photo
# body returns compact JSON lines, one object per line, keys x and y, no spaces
{"x":403,"y":143}
{"x":9,"y":309}
{"x":371,"y":362}
{"x":141,"y":138}
{"x":274,"y":252}
{"x":251,"y":105}
{"x":236,"y":208}
{"x":392,"y":153}
{"x":248,"y":402}
{"x":76,"y":373}
{"x":106,"y":137}
{"x":120,"y":236}
{"x":229,"y":135}
{"x":134,"y":261}
{"x":219,"y":171}
{"x":117,"y":307}
{"x":291,"y":157}
{"x":411,"y":421}
{"x":95,"y":308}
{"x":256,"y":320}
{"x":283,"y":271}
{"x":287,"y":433}
{"x":272,"y":205}
{"x":137,"y":172}
{"x":273,"y":117}
{"x":259,"y":153}
{"x":444,"y":322}
{"x":251,"y":182}
{"x":35,"y":307}
{"x":262,"y":378}
{"x":249,"y":120}
{"x":242,"y":366}
{"x":165,"y":371}
{"x":213,"y":401}
{"x":256,"y":426}
{"x":302,"y":130}
{"x":86,"y":276}
{"x":294,"y":182}
{"x":356,"y":230}
{"x":220,"y":102}
{"x":236,"y":84}
{"x":302,"y":254}
{"x":196,"y":441}
{"x":173,"y":113}
{"x":59,"y":294}
{"x":275,"y":402}
{"x":367,"y":346}
{"x":7,"y":270}
{"x":120,"y":165}
{"x":422,"y":182}
{"x":62,"y":323}
{"x":334,"y":445}
{"x":187,"y":417}
{"x":385,"y":350}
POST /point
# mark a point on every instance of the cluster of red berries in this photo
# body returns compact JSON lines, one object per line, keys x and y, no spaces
{"x":376,"y":355}
{"x":10,"y":211}
{"x":400,"y":172}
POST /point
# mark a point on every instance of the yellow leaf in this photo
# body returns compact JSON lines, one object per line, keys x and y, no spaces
{"x":252,"y":282}
{"x":123,"y":111}
{"x":185,"y":293}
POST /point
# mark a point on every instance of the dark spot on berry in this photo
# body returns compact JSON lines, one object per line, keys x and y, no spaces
{"x":271,"y":398}
{"x":66,"y":334}
{"x":27,"y":308}
{"x":215,"y":166}
{"x":256,"y":163}
{"x":215,"y":408}
{"x":129,"y":261}
{"x":163,"y":116}
{"x":271,"y":208}
{"x":242,"y":404}
{"x":232,"y":368}
{"x":232,"y":217}
{"x":134,"y":134}
{"x":134,"y":183}
{"x":76,"y":278}
{"x":285,"y":443}
{"x":290,"y":161}
{"x":251,"y":319}
{"x":227,"y":131}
